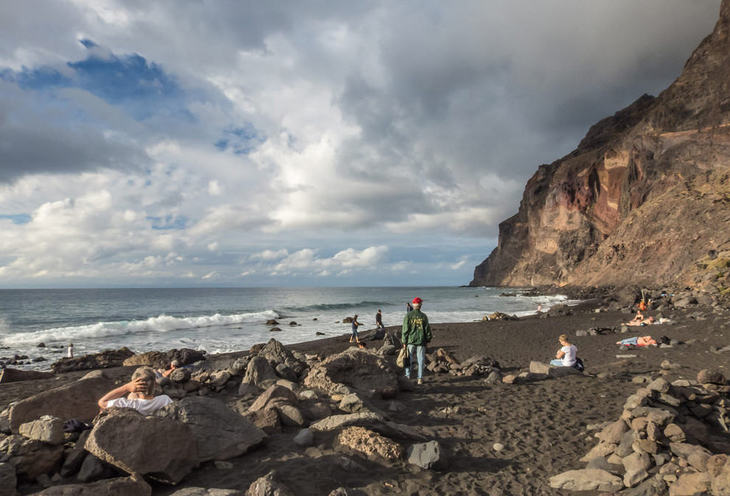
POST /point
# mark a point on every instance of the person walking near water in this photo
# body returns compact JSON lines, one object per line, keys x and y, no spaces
{"x":416,"y":334}
{"x":379,"y":320}
{"x":355,"y":325}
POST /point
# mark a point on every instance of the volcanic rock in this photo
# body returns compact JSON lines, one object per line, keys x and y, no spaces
{"x":642,"y":198}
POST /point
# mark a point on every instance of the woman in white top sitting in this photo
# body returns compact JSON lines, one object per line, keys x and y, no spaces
{"x":139,"y":392}
{"x":565,"y":357}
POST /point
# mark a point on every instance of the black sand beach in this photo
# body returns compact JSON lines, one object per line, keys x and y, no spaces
{"x":542,"y":425}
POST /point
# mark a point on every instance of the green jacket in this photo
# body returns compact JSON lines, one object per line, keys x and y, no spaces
{"x":416,"y":329}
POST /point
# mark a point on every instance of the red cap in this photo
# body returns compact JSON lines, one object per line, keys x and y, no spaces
{"x":417,"y":301}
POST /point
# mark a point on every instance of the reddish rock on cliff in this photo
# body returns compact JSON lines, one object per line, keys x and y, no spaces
{"x":644,"y":199}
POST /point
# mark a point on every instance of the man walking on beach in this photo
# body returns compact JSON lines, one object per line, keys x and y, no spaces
{"x":379,"y":320}
{"x":416,"y":334}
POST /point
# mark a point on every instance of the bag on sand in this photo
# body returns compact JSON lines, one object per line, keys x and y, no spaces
{"x":579,"y":364}
{"x":403,"y":360}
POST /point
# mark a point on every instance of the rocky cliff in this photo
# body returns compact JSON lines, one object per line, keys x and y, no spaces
{"x":644,"y":199}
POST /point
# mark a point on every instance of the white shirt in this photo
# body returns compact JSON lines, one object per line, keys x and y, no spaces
{"x":145,"y":407}
{"x":570,"y":354}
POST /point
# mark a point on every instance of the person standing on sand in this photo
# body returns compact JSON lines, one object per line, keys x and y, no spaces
{"x":416,"y":334}
{"x":379,"y":320}
{"x":566,"y":355}
{"x":355,"y":325}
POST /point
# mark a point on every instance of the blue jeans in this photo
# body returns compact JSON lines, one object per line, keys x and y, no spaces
{"x":557,"y":362}
{"x":420,"y":353}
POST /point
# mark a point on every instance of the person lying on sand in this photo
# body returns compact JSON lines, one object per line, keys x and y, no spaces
{"x":140,"y":391}
{"x":643,"y":322}
{"x":566,"y":355}
{"x":638,"y":341}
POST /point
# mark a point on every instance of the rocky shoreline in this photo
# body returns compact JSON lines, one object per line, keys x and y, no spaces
{"x":326,"y":418}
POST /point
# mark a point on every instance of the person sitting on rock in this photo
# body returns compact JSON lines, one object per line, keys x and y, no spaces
{"x":162,"y":376}
{"x":141,"y":394}
{"x":566,"y":355}
{"x":638,"y":341}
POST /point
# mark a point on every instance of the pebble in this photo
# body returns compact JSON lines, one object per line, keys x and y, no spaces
{"x":498,"y":447}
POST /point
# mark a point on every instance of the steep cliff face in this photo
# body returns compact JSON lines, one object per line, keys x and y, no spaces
{"x":642,"y":200}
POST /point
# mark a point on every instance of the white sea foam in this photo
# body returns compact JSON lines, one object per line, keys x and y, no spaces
{"x":161,"y":323}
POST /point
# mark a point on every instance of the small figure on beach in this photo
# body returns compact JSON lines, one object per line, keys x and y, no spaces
{"x":139,"y":392}
{"x":539,"y":308}
{"x":70,"y":351}
{"x":638,"y":341}
{"x":379,"y":320}
{"x":416,"y":334}
{"x":566,"y":355}
{"x":161,"y":375}
{"x":355,"y":325}
{"x":639,"y":320}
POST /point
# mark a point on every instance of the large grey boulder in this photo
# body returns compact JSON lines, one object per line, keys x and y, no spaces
{"x":273,"y":396}
{"x":120,"y":486}
{"x":48,"y":429}
{"x":426,"y":455}
{"x":93,"y":469}
{"x":8,"y":481}
{"x":75,"y":400}
{"x":636,"y":465}
{"x":75,"y":456}
{"x":277,"y":354}
{"x":363,"y":371}
{"x":259,"y":373}
{"x":162,"y":448}
{"x":31,"y":458}
{"x":588,"y":479}
{"x":368,"y":419}
{"x":219,"y":432}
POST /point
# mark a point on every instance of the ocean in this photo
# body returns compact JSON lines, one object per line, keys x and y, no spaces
{"x":220,"y":320}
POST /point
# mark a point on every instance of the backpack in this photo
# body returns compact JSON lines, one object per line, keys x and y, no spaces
{"x":578,"y":365}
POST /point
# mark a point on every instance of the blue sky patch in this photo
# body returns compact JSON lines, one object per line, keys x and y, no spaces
{"x":240,"y":140}
{"x":16,"y":218}
{"x":141,"y":87}
{"x":168,"y":222}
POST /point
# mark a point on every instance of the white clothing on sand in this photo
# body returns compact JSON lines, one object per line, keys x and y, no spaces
{"x":145,"y":407}
{"x":570,"y":354}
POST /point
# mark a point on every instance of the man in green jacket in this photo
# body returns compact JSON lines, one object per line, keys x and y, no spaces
{"x":416,"y":335}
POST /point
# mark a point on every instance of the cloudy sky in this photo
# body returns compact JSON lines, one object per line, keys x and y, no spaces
{"x":218,"y":143}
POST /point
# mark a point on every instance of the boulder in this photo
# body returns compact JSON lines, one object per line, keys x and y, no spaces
{"x":266,"y":420}
{"x":719,"y":468}
{"x":93,"y":469}
{"x":304,"y":438}
{"x":351,"y":403}
{"x":706,"y":376}
{"x":426,"y":455}
{"x":31,"y":458}
{"x":219,"y":432}
{"x":539,"y":368}
{"x":259,"y":373}
{"x":17,"y":375}
{"x":291,"y":415}
{"x":371,"y":444}
{"x":277,"y":354}
{"x":8,"y":481}
{"x":368,"y":419}
{"x":613,"y":432}
{"x":268,"y":486}
{"x":636,"y":466}
{"x":691,"y":484}
{"x":74,"y":400}
{"x":180,"y":374}
{"x":47,"y":429}
{"x":587,"y":480}
{"x":274,"y":395}
{"x":363,"y":371}
{"x":120,"y":486}
{"x":103,"y":360}
{"x":161,"y":360}
{"x":162,"y":448}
